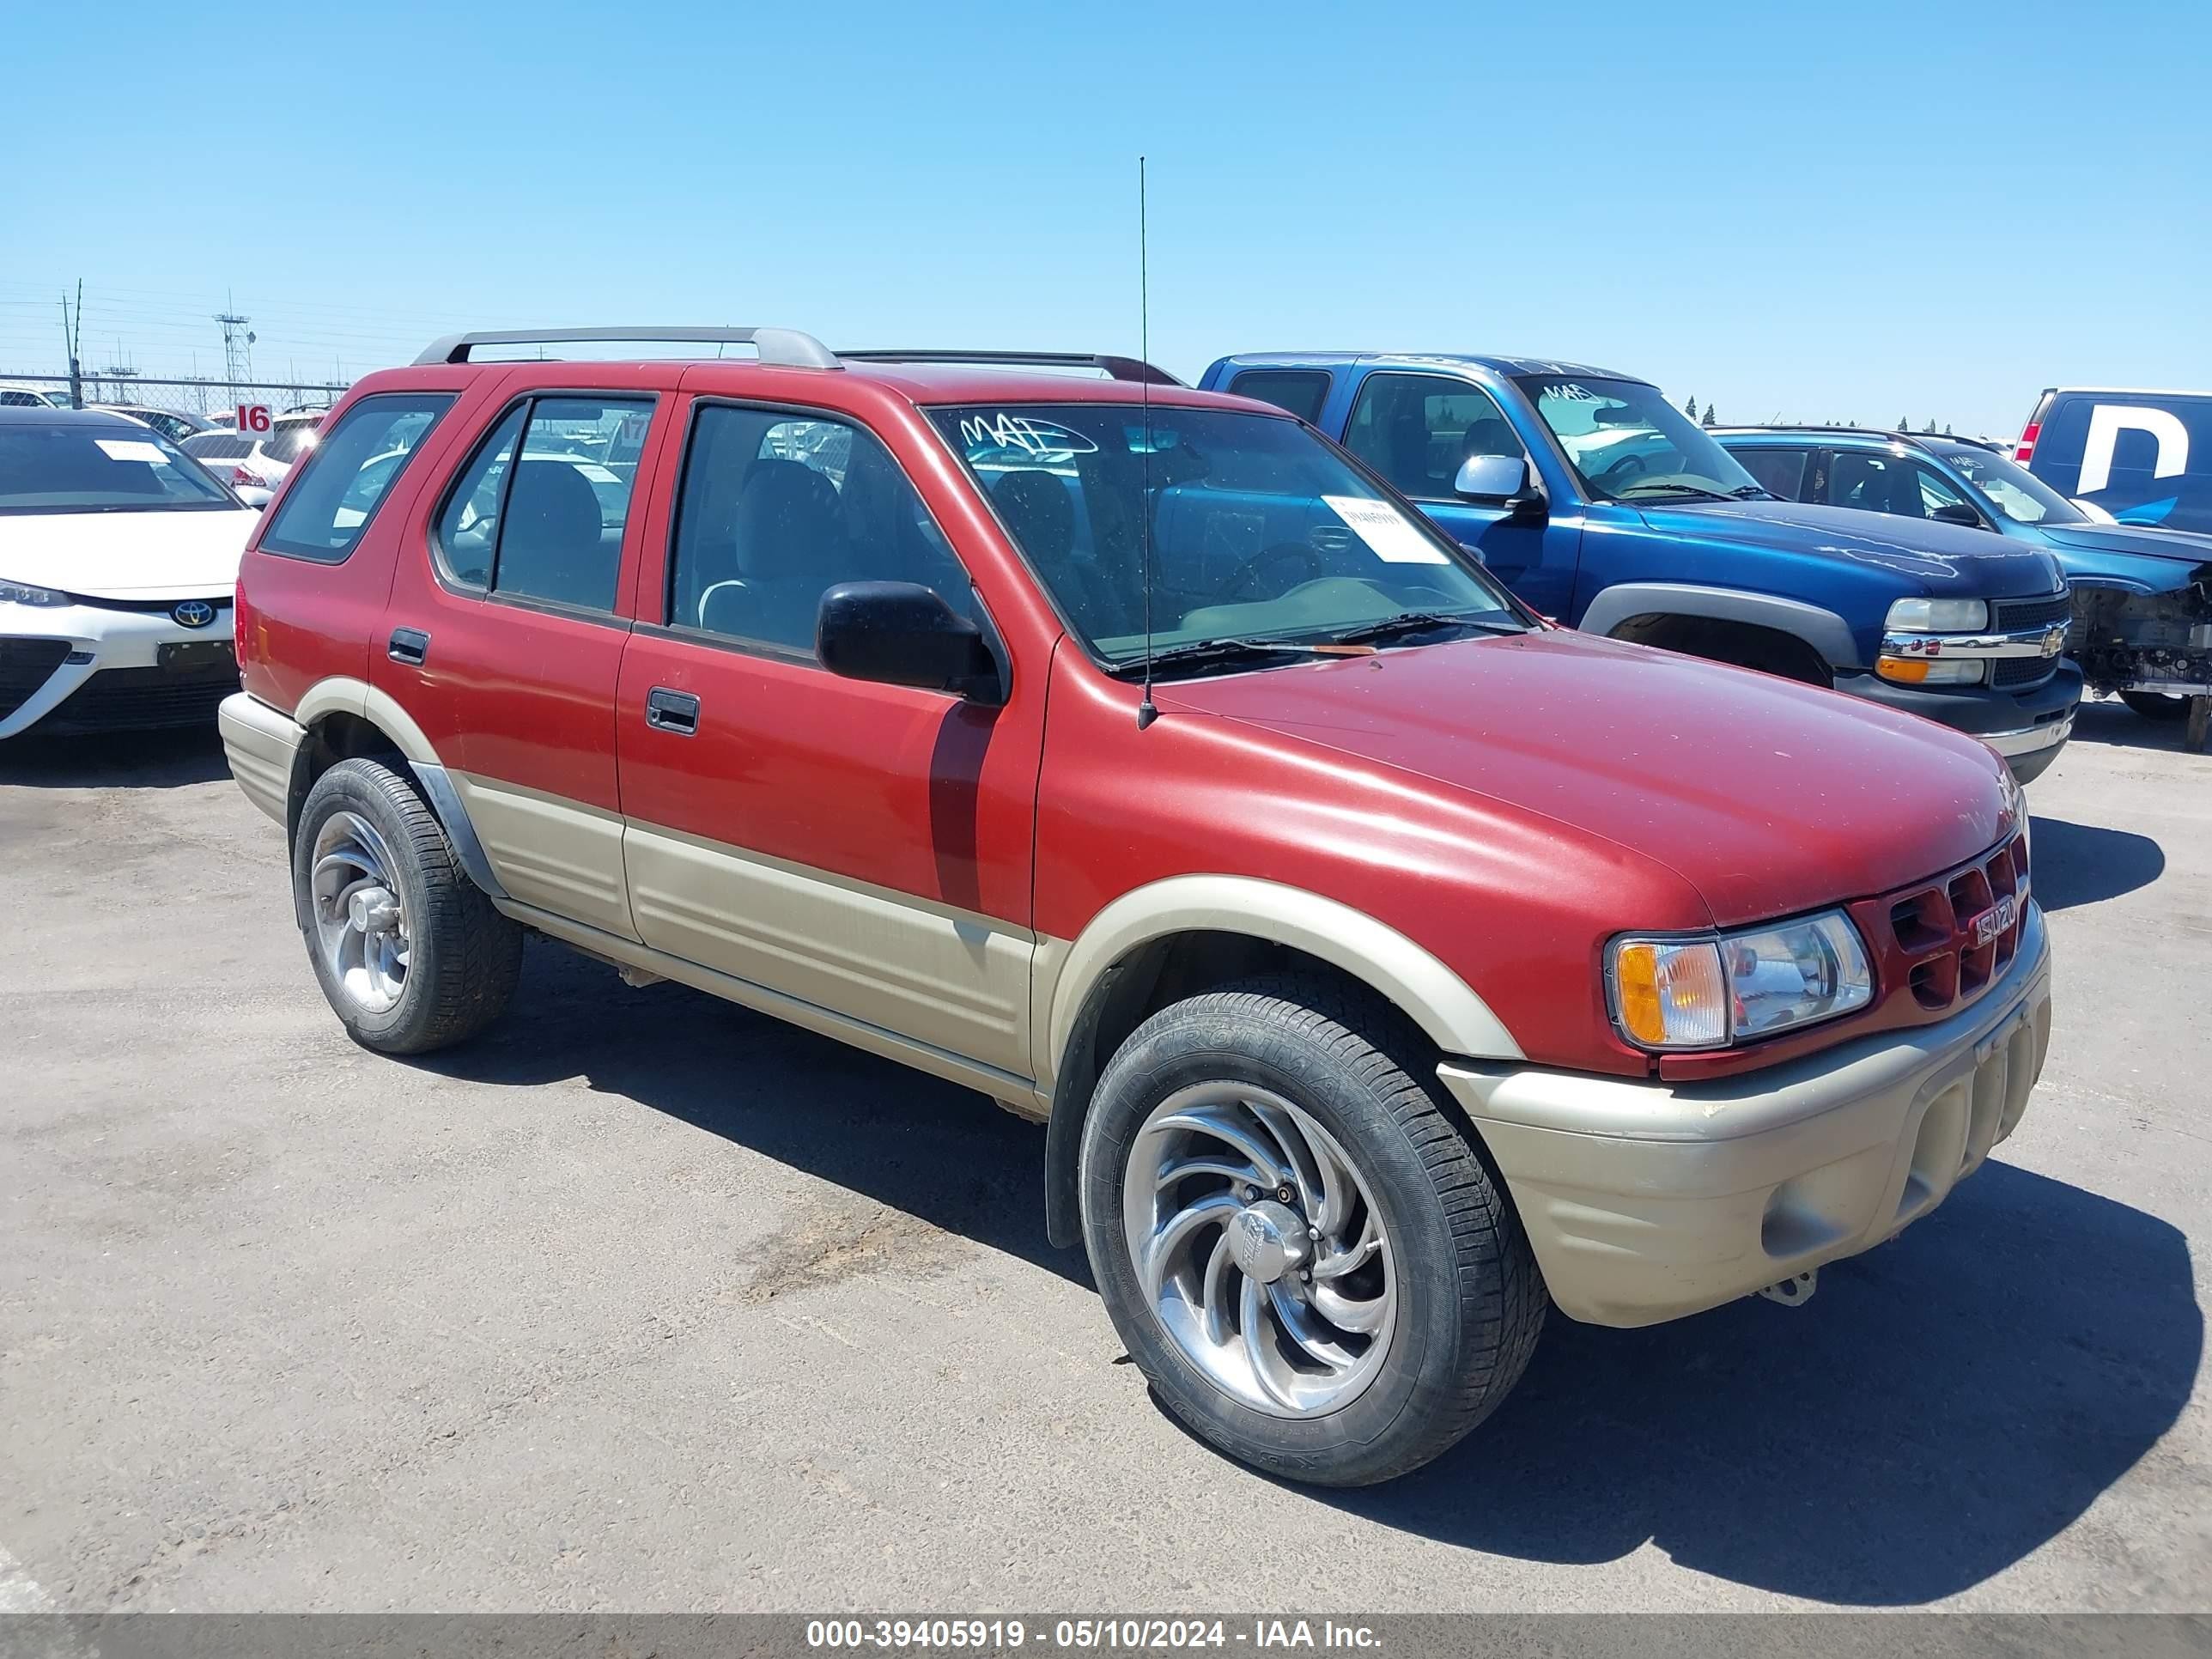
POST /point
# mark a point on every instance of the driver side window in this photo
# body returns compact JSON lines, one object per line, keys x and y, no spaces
{"x":1416,"y":429}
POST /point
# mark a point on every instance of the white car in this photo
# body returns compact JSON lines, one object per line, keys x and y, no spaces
{"x":21,"y":394}
{"x":118,"y":560}
{"x":174,"y":424}
{"x":246,"y":461}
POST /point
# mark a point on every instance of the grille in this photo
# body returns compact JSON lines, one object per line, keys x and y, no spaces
{"x":24,"y":665}
{"x":2016,"y":671}
{"x":1931,"y":929}
{"x":116,"y":698}
{"x":2013,"y":614}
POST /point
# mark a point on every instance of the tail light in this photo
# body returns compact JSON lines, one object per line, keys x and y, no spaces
{"x":247,"y":477}
{"x":241,"y":623}
{"x":2024,"y":450}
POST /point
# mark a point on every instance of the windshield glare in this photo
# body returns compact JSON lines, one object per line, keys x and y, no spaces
{"x":1259,"y":529}
{"x":71,"y":466}
{"x":2011,"y":488}
{"x":1627,"y":443}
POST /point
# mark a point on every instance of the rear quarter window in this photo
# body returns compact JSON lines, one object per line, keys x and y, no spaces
{"x":1302,"y":392}
{"x":349,"y":474}
{"x":1780,"y":470}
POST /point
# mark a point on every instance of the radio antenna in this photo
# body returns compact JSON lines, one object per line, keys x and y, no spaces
{"x":1146,"y":712}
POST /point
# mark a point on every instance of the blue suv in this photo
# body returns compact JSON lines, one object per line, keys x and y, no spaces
{"x":2143,"y":597}
{"x":1602,"y":505}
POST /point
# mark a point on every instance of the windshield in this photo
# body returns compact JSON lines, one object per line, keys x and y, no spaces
{"x":86,"y":466}
{"x":1627,"y":443}
{"x":2011,"y":488}
{"x":1259,"y":529}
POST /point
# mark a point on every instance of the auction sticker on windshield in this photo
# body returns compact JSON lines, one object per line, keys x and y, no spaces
{"x":131,"y":449}
{"x":1389,"y":535}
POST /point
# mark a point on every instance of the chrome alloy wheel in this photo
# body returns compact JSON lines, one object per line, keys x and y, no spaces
{"x":361,"y":926}
{"x":1260,"y":1248}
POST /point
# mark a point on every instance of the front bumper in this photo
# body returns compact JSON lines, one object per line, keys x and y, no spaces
{"x":2028,"y":728}
{"x":1645,"y":1202}
{"x":76,"y":668}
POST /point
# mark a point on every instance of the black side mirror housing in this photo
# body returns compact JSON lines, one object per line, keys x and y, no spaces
{"x":904,"y":634}
{"x":1957,"y":512}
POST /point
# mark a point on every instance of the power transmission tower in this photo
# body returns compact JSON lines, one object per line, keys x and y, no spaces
{"x":237,"y":350}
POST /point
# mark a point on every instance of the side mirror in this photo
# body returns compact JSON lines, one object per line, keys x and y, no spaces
{"x":254,"y":496}
{"x":1502,"y":480}
{"x":903,"y":634}
{"x":1957,"y":513}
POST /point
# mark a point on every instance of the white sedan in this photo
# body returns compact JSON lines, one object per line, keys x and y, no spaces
{"x":117,"y":560}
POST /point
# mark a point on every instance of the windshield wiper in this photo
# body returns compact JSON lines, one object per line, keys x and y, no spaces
{"x":1207,"y":654}
{"x":1754,"y":493}
{"x":1673,"y":488}
{"x":1408,"y":623}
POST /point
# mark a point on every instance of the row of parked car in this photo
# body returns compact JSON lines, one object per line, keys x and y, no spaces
{"x":1389,"y":963}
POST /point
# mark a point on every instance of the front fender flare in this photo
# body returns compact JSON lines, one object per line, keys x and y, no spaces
{"x":1822,"y":630}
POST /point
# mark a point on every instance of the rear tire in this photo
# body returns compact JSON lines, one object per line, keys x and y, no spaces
{"x":2162,"y":706}
{"x":1359,"y":1373}
{"x":409,"y":952}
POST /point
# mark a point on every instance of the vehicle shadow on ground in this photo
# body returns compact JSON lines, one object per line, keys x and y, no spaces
{"x":2071,"y":864}
{"x":114,"y":760}
{"x":932,"y":1150}
{"x":2109,"y":721}
{"x":1944,"y":1406}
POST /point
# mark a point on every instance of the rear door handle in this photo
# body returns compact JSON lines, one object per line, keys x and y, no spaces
{"x":671,"y":711}
{"x":409,"y":645}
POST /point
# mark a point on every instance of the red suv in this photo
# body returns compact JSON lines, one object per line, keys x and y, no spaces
{"x":1388,"y":963}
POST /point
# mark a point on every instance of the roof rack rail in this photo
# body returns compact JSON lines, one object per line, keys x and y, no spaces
{"x":1119,"y":368}
{"x":784,"y":347}
{"x":1919,"y":439}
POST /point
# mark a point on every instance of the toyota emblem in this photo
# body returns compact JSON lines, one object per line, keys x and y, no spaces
{"x":194,"y":613}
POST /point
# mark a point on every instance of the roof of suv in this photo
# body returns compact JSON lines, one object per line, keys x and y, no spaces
{"x":1497,"y":365}
{"x":1861,"y":436}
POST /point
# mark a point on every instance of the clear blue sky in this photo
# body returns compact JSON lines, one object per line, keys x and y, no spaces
{"x":1859,"y":211}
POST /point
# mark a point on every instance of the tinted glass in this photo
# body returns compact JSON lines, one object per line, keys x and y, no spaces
{"x":349,"y":473}
{"x":559,"y":526}
{"x":217,"y":447}
{"x":466,"y":527}
{"x":289,"y":439}
{"x":1301,"y":390}
{"x":1627,"y":443}
{"x":1416,"y":429}
{"x":1258,"y":528}
{"x":99,"y":467}
{"x":1780,"y":471}
{"x":1932,"y":490}
{"x":776,"y":510}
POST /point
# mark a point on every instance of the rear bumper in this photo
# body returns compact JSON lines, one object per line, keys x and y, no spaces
{"x":1647,"y":1201}
{"x":260,"y":745}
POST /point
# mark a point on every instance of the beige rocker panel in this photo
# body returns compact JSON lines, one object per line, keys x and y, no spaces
{"x":953,"y":980}
{"x":1014,"y":1091}
{"x":1436,"y":999}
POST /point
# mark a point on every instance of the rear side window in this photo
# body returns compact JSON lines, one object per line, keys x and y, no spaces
{"x":1300,"y":391}
{"x":217,"y":447}
{"x":348,"y":476}
{"x":290,"y":441}
{"x":550,"y":528}
{"x":1781,"y":471}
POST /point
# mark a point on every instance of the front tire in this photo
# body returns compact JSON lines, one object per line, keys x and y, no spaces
{"x":1304,"y":1255}
{"x":2160,"y":706}
{"x":410,"y":954}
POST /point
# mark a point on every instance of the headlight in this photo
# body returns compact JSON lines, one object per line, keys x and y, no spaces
{"x":1938,"y":617}
{"x":1709,"y":992}
{"x":24,"y":593}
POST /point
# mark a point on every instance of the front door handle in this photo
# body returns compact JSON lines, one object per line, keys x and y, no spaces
{"x":671,"y":711}
{"x":409,"y":645}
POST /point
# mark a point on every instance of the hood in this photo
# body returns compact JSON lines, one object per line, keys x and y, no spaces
{"x":1769,"y":797}
{"x":185,"y":554}
{"x":2182,"y":549}
{"x":1938,"y":558}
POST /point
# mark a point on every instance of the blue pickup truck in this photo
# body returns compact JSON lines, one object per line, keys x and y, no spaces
{"x":1602,"y":506}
